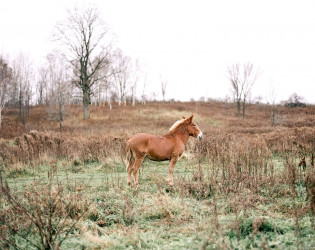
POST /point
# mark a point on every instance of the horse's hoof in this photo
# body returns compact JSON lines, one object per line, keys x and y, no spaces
{"x":171,"y":183}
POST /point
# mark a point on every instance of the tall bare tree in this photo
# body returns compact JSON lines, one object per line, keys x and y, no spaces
{"x":13,"y":100}
{"x":5,"y":79}
{"x":242,"y":78}
{"x":122,"y":68}
{"x":59,"y":89}
{"x":134,"y":81}
{"x":163,"y":87}
{"x":23,"y":78}
{"x":271,"y":101}
{"x":42,"y":82}
{"x":144,"y":96}
{"x":84,"y":35}
{"x":106,"y":87}
{"x":133,"y":89}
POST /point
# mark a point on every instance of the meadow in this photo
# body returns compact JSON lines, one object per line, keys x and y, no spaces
{"x":245,"y":185}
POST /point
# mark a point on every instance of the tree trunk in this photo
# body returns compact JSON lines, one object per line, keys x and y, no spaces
{"x":133,"y":100}
{"x":60,"y":118}
{"x":272,"y":116}
{"x":20,"y":102}
{"x":86,"y":109}
{"x":238,"y":103}
{"x":86,"y":104}
{"x":0,"y":116}
{"x":244,"y":102}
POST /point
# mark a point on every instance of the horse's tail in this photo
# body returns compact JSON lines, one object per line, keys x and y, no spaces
{"x":130,"y":157}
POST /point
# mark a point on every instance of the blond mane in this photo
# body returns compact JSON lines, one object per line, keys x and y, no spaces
{"x":175,"y":125}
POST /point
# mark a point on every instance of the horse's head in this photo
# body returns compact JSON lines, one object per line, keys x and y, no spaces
{"x":192,"y":128}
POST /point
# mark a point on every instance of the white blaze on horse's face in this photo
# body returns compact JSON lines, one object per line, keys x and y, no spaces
{"x":199,"y":137}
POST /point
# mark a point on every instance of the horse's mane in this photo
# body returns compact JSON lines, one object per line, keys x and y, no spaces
{"x":175,"y":125}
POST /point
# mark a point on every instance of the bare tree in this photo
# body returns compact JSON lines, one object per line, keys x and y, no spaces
{"x":271,"y":101}
{"x":143,"y":96}
{"x":295,"y":101}
{"x":42,"y":86}
{"x":233,"y":75}
{"x":163,"y":87}
{"x":13,"y":95}
{"x":5,"y":79}
{"x":60,"y":92}
{"x":107,"y":86}
{"x":242,"y":79}
{"x":122,"y":69}
{"x":22,"y":78}
{"x":133,"y":92}
{"x":84,"y":36}
{"x":135,"y":78}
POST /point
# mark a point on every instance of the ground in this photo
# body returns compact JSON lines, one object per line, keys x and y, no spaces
{"x":240,"y":187}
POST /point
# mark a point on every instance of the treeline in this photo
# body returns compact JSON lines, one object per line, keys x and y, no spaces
{"x":86,"y":67}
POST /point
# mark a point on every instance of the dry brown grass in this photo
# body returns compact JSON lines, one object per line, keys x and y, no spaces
{"x":240,"y":166}
{"x":107,"y":130}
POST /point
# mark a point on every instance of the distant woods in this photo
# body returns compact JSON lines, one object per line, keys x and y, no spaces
{"x":84,"y":68}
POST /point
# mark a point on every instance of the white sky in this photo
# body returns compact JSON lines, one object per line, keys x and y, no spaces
{"x":188,"y":43}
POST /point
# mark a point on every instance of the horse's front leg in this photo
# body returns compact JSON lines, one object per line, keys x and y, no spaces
{"x":171,"y":170}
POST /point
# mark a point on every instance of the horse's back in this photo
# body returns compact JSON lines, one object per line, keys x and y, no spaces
{"x":156,"y":147}
{"x":139,"y":138}
{"x":139,"y":141}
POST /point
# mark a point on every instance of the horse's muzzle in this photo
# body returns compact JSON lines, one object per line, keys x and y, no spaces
{"x":199,"y":137}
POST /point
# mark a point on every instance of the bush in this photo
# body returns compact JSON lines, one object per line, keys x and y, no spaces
{"x":42,"y":216}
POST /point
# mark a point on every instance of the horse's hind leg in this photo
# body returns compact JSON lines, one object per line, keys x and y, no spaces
{"x":129,"y":171}
{"x":136,"y":166}
{"x":131,"y":161}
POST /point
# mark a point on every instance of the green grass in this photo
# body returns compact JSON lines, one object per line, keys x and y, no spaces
{"x":161,"y":217}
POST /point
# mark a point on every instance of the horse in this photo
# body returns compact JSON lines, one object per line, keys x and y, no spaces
{"x":168,"y":147}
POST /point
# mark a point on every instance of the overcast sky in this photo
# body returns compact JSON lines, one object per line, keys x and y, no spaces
{"x":188,"y":43}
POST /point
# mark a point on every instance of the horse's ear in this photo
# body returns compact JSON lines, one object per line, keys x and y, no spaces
{"x":190,"y":118}
{"x":183,"y":117}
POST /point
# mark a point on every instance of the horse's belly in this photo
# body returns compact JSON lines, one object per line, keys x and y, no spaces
{"x":158,"y":156}
{"x":159,"y":151}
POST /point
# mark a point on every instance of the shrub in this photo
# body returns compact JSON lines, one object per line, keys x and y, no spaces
{"x":42,"y":216}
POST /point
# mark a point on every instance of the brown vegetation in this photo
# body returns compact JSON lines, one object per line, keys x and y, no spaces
{"x":238,"y":167}
{"x":107,"y":131}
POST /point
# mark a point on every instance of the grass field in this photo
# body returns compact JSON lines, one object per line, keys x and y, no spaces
{"x":240,"y":187}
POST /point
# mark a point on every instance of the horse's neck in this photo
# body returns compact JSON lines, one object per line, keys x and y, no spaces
{"x":181,"y":134}
{"x":183,"y":137}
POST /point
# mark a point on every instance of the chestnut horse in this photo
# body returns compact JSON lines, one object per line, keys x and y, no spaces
{"x":160,"y":148}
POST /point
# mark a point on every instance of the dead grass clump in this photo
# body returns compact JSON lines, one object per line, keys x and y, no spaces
{"x":42,"y":216}
{"x":197,"y":187}
{"x":32,"y":147}
{"x":35,"y":144}
{"x":94,"y":148}
{"x":7,"y":154}
{"x":11,"y":129}
{"x":236,"y":160}
{"x":296,"y":140}
{"x":165,"y":209}
{"x":310,"y":190}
